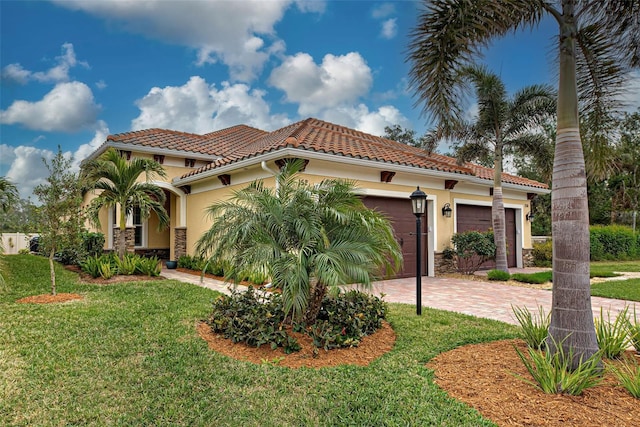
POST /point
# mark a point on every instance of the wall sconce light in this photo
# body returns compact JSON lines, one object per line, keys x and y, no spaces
{"x":446,"y":210}
{"x":530,"y":217}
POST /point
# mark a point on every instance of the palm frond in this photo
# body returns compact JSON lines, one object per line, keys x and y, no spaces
{"x":450,"y":35}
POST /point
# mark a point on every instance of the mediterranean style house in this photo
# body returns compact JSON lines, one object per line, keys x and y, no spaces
{"x":205,"y":168}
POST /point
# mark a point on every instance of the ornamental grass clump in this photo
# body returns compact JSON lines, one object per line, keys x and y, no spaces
{"x":628,"y":375}
{"x":534,"y":328}
{"x":552,"y":372}
{"x":612,"y":337}
{"x":498,"y":275}
{"x":633,"y":326}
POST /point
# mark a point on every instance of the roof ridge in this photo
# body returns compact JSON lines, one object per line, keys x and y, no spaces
{"x":112,"y":137}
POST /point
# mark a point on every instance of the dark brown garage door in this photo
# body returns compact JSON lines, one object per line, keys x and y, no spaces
{"x":478,"y":218}
{"x":404,"y":224}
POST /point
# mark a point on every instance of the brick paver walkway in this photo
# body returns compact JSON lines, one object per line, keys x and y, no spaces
{"x":477,"y":298}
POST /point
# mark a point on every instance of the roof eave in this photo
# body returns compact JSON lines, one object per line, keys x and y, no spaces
{"x":150,"y":150}
{"x":309,"y":154}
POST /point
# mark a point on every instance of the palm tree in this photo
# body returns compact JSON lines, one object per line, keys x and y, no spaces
{"x":501,"y":123}
{"x":598,"y":44}
{"x":118,"y":182}
{"x":308,"y":239}
{"x":8,"y":194}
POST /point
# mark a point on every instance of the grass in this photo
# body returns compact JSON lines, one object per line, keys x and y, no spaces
{"x":128,"y":354}
{"x":619,"y":289}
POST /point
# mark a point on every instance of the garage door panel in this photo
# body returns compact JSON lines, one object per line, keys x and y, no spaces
{"x":478,"y":218}
{"x":399,"y":213}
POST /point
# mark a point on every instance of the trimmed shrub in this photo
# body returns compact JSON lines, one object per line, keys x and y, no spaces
{"x":542,"y":253}
{"x":345,"y":319}
{"x":613,"y":242}
{"x":498,"y":275}
{"x":256,"y":318}
{"x":472,"y":249}
{"x":252,"y":319}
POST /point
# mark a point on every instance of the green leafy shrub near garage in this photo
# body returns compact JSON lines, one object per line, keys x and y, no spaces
{"x":542,"y":253}
{"x":472,"y":249}
{"x":614,"y":242}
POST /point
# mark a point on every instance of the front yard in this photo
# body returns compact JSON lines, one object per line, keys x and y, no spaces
{"x":129,"y":354}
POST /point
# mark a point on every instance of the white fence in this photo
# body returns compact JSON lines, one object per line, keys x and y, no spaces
{"x":13,"y":242}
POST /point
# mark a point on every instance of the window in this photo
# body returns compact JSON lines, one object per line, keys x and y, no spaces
{"x":158,"y":158}
{"x":138,"y":224}
{"x":189,"y":162}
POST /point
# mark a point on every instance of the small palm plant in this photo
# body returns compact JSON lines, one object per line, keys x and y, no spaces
{"x":310,"y":239}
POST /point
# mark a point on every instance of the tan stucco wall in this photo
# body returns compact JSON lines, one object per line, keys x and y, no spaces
{"x":210,"y":190}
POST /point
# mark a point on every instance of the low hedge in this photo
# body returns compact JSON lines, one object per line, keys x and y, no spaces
{"x":607,"y":242}
{"x":614,"y":242}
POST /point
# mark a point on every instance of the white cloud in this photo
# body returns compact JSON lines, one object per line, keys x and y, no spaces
{"x":100,"y":84}
{"x":383,"y":10}
{"x":339,"y":80}
{"x":389,"y":28}
{"x":199,"y":107}
{"x":27,"y":169}
{"x":15,"y":72}
{"x":315,"y":6}
{"x":360,"y":118}
{"x":68,"y":107}
{"x":233,"y":32}
{"x":631,"y":97}
{"x":56,"y":74}
{"x":84,"y":150}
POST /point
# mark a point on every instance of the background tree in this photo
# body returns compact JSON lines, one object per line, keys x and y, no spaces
{"x":625,"y":183}
{"x":21,"y":217}
{"x":428,"y":141}
{"x":117,"y":182}
{"x":308,"y":238}
{"x":60,"y":214}
{"x":8,"y":194}
{"x":598,"y":44}
{"x":501,"y":123}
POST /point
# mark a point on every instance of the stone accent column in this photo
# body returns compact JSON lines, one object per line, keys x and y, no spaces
{"x":527,"y":257}
{"x":130,"y":239}
{"x":443,"y":265}
{"x":180,"y":246}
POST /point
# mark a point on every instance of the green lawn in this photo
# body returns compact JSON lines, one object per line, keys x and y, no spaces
{"x":128,"y":354}
{"x":619,"y":289}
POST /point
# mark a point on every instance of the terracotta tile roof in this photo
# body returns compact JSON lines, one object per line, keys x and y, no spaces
{"x":214,"y":143}
{"x":323,"y":137}
{"x":236,"y":143}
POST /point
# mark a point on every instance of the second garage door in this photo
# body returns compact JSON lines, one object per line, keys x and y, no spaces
{"x":478,"y":218}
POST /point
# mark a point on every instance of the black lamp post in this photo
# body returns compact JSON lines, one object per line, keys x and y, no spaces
{"x":418,"y":202}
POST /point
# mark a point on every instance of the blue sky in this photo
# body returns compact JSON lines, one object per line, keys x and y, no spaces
{"x":74,"y":72}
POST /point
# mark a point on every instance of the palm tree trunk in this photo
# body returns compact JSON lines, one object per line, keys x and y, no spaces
{"x":497,"y":212}
{"x":315,"y":303}
{"x":571,"y":315}
{"x":52,"y":271}
{"x":122,"y":236}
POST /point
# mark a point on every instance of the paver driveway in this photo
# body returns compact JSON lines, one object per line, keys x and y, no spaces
{"x":477,"y":298}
